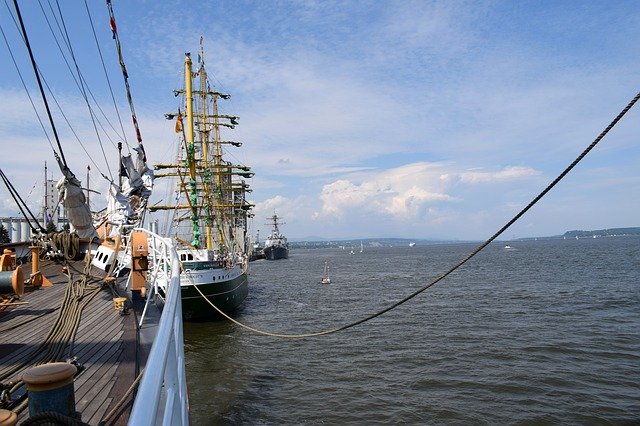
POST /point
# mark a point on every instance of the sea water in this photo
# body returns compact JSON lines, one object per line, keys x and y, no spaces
{"x":543,"y":332}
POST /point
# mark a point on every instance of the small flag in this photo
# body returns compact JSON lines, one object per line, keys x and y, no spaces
{"x":179,"y":124}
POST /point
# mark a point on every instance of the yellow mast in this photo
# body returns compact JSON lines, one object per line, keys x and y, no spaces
{"x":189,"y":101}
{"x":193,"y":193}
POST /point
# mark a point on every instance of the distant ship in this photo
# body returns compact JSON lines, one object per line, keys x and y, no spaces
{"x":412,"y":244}
{"x":275,"y":246}
{"x":256,"y":249}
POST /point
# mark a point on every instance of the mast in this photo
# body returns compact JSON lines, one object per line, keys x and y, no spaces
{"x":119,"y":168}
{"x":220,"y":192}
{"x":46,"y":198}
{"x":204,"y":137}
{"x":88,"y":169}
{"x":193,"y":194}
{"x":215,"y":197}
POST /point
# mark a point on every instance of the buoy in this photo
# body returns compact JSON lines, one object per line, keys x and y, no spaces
{"x":50,"y":388}
{"x":12,"y":282}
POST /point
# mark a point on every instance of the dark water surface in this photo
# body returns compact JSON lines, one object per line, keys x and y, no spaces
{"x":546,"y":332}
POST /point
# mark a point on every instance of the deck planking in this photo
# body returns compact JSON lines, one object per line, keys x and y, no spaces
{"x":105,"y":343}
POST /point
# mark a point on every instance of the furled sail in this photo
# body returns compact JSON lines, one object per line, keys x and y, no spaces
{"x":118,"y":209}
{"x":75,"y":204}
{"x":125,"y":206}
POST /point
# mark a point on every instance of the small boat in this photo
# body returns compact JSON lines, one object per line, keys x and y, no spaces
{"x":412,"y":244}
{"x":325,"y":275}
{"x":507,"y":246}
{"x":257,"y":251}
{"x":361,"y":247}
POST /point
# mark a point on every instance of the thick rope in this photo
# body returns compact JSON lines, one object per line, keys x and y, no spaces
{"x":457,"y":265}
{"x":78,"y":295}
{"x":106,"y":419}
{"x":68,"y":243}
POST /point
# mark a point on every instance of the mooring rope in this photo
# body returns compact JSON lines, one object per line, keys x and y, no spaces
{"x":77,"y":296}
{"x":457,"y":265}
{"x":67,"y":242}
{"x":134,"y":386}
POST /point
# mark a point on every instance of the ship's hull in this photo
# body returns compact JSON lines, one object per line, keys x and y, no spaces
{"x":256,"y":254}
{"x":276,"y":252}
{"x":225,"y":288}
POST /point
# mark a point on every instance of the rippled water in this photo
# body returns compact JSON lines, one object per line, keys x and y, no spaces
{"x":544,"y":332}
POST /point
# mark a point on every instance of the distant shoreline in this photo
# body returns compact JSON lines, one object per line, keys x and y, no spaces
{"x":354,"y":243}
{"x":609,"y":232}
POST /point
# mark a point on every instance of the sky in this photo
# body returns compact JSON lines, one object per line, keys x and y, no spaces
{"x":360,"y":119}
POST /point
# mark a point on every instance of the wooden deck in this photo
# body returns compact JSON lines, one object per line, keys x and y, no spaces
{"x":105,"y":344}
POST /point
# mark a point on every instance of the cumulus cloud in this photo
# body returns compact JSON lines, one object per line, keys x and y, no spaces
{"x":406,"y":192}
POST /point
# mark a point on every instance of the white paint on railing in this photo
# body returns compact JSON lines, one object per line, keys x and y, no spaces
{"x":164,"y":377}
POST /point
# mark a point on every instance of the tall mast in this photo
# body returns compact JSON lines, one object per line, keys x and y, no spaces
{"x":193,"y":194}
{"x":204,"y":137}
{"x":88,"y":169}
{"x":46,"y":198}
{"x":217,"y":165}
{"x":120,"y":166}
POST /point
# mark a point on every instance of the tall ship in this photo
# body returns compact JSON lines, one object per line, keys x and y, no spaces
{"x":276,"y":245}
{"x":209,"y":220}
{"x":86,"y":336}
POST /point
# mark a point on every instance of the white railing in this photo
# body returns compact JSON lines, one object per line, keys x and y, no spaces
{"x":164,"y":377}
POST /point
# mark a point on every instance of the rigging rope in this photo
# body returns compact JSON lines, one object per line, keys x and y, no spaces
{"x":35,"y":70}
{"x":83,"y":91}
{"x":21,"y":204}
{"x":24,"y":85}
{"x":112,"y":22}
{"x":50,"y":93}
{"x":82,"y":79}
{"x":106,"y":74}
{"x":457,"y":265}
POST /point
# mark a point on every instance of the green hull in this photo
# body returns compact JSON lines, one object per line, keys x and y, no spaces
{"x":226,"y":295}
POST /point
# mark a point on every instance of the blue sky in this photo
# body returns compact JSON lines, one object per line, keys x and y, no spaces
{"x":366,"y":118}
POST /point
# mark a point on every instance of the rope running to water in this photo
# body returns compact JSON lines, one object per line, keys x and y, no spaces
{"x":456,"y":266}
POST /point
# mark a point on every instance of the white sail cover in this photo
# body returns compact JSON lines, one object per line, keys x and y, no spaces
{"x":140,"y":176}
{"x":118,"y":209}
{"x":75,"y":203}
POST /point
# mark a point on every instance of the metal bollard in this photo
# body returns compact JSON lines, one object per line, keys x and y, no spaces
{"x":50,"y":388}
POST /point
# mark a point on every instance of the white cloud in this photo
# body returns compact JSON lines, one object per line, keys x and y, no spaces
{"x":407,"y":192}
{"x":508,"y":173}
